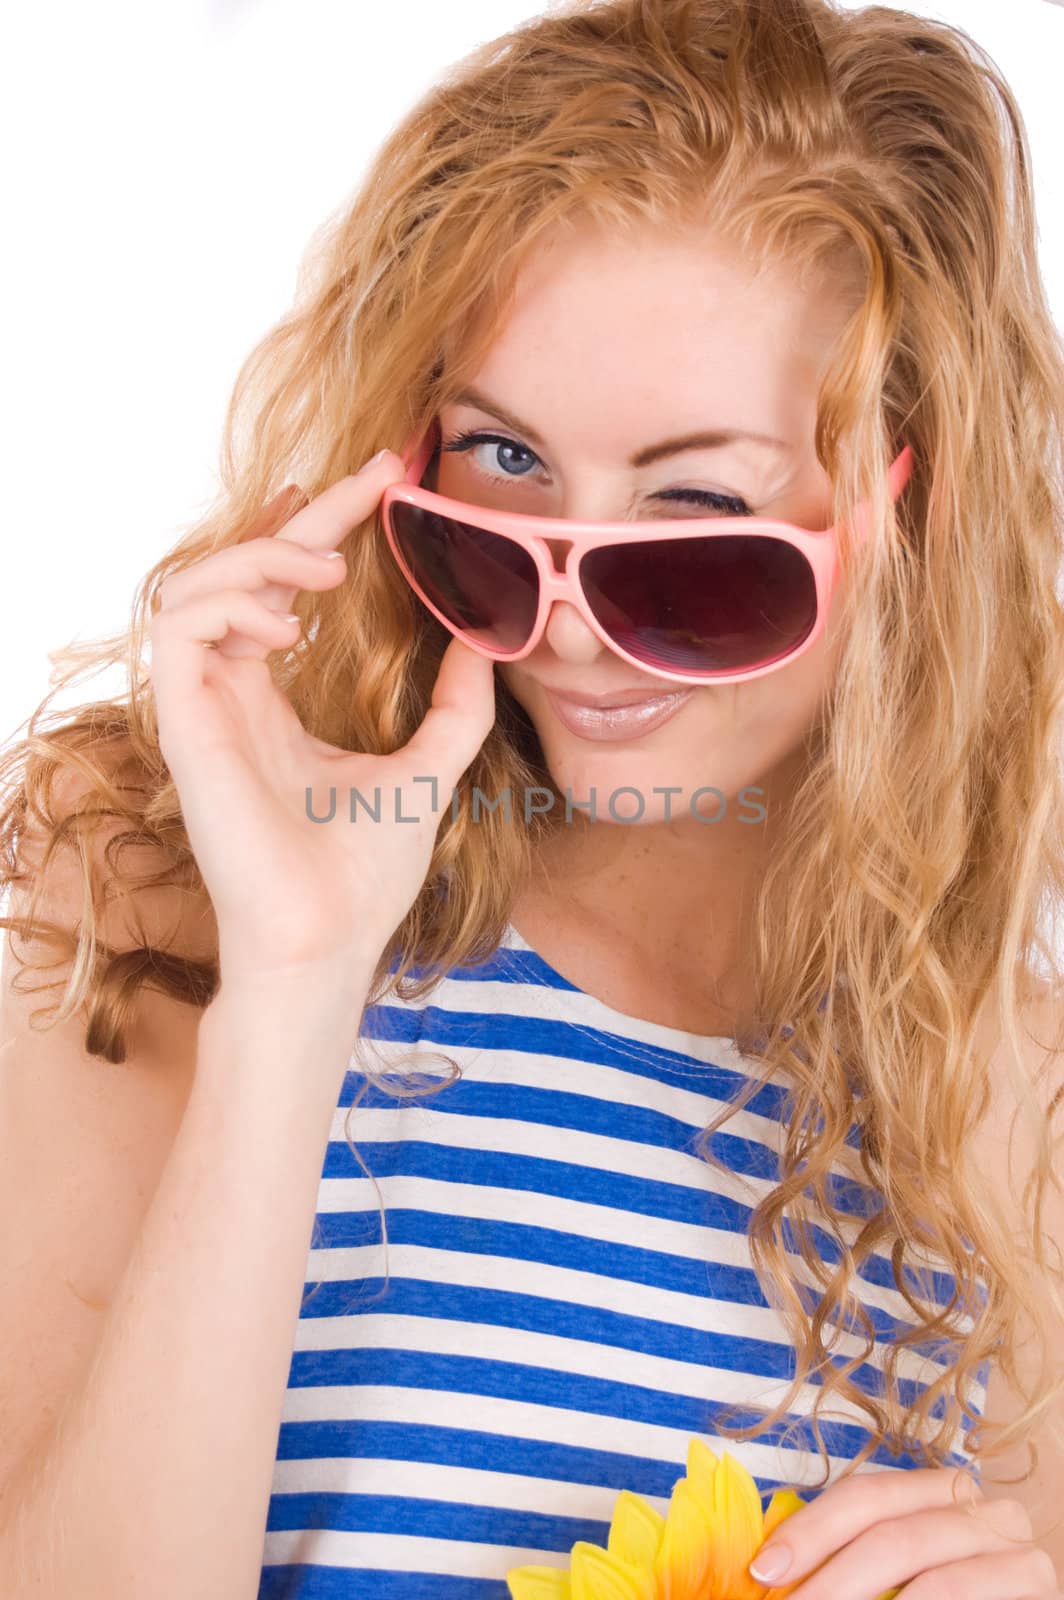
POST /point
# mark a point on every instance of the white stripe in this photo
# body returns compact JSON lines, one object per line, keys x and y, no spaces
{"x":605,"y":1223}
{"x":507,"y":1491}
{"x":557,"y":1353}
{"x":542,"y":1002}
{"x":485,"y":1413}
{"x":596,"y":1151}
{"x":381,"y":1552}
{"x":471,"y":1486}
{"x":384,"y":1552}
{"x":515,"y":1420}
{"x":508,"y":1136}
{"x":576,"y":1287}
{"x":597,"y":1081}
{"x":539,"y":1003}
{"x":553,"y":1352}
{"x":532,"y":998}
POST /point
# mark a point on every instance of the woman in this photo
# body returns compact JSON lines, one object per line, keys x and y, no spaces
{"x":768,"y":264}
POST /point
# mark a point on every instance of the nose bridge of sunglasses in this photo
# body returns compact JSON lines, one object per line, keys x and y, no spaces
{"x":559,"y":549}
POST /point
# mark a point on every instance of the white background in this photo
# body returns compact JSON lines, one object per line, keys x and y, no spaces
{"x":164,"y":169}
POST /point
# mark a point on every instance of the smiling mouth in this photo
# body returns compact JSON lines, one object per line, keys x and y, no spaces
{"x":612,"y":702}
{"x":618,"y":723}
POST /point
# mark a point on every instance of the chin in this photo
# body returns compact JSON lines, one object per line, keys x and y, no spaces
{"x":631,"y":784}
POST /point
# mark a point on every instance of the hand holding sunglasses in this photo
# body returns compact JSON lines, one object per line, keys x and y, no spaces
{"x":692,"y":600}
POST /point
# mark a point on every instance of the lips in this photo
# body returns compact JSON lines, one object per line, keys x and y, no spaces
{"x":604,"y":702}
{"x":610,"y":724}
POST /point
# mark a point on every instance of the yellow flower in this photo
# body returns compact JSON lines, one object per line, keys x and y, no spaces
{"x":699,"y":1551}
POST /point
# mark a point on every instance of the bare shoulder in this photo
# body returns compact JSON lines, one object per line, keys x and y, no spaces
{"x":1024,"y":1102}
{"x":83,"y":1140}
{"x":1006,"y":1151}
{"x":1040,"y":1044}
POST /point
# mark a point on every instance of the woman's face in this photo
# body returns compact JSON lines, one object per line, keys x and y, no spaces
{"x":615,"y":347}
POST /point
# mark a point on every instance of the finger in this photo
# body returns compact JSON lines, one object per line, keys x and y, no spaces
{"x":276,"y":512}
{"x":897,"y":1549}
{"x":809,"y":1536}
{"x":331,"y":515}
{"x":178,"y":638}
{"x":460,"y":717}
{"x":314,"y":530}
{"x":262,"y":562}
{"x":1030,"y":1574}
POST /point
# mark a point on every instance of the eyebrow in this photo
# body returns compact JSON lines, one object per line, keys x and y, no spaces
{"x":711,"y":439}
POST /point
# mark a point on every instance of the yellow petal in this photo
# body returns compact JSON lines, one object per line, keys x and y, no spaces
{"x":636,"y":1531}
{"x":784,"y":1504}
{"x":596,"y":1575}
{"x":539,"y":1583}
{"x":682,"y":1562}
{"x":701,"y":1468}
{"x":736,"y":1524}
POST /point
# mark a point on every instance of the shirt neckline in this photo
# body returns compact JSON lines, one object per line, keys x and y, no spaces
{"x":707,"y":1047}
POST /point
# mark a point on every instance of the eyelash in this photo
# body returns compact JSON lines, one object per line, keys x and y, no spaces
{"x":701,"y":497}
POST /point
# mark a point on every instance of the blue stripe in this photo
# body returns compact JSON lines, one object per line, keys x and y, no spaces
{"x":538,"y":1458}
{"x":503,"y":1308}
{"x":436,"y":1519}
{"x":698,"y":1277}
{"x":614,"y":1119}
{"x":617,"y":1191}
{"x":359,"y":1583}
{"x":504,"y":965}
{"x":530,"y":1385}
{"x":568,"y":1042}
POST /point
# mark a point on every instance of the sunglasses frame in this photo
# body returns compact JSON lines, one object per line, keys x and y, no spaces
{"x":819,"y":547}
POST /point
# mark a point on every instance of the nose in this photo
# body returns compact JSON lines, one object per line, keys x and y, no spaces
{"x":569,"y":636}
{"x":566,"y":632}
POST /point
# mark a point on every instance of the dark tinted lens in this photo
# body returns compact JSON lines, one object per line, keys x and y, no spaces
{"x":714,"y":605}
{"x":485,"y":585}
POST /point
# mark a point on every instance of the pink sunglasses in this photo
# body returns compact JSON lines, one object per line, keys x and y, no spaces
{"x":693,"y":600}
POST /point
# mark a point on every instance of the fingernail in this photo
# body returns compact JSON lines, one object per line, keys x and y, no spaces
{"x":372,"y":462}
{"x":770,"y":1563}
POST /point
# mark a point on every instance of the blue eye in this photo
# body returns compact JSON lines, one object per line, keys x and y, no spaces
{"x":709,"y":499}
{"x":467,"y":440}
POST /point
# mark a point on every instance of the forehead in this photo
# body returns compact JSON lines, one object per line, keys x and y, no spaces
{"x":657,"y":329}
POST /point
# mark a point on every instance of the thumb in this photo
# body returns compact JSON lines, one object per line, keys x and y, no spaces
{"x":460,"y":717}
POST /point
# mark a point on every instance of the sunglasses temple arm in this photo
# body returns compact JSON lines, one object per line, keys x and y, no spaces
{"x":898,"y":476}
{"x":416,"y":457}
{"x":900,"y":472}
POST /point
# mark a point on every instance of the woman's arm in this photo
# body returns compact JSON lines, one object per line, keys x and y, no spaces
{"x":156,"y":1477}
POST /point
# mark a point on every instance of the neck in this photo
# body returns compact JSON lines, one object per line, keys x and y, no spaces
{"x":670,"y":899}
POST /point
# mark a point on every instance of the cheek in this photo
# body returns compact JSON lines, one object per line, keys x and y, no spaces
{"x":760,"y":721}
{"x":511,"y":676}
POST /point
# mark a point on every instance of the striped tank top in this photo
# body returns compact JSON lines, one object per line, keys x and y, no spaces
{"x":566,"y":1297}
